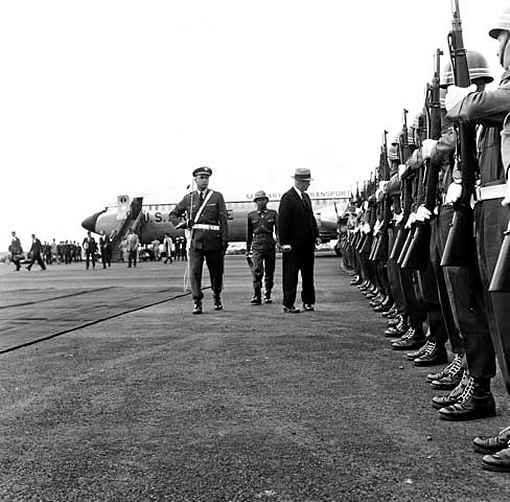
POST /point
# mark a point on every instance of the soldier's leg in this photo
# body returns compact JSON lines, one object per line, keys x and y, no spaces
{"x":40,"y":261}
{"x":196,"y":263}
{"x":306,"y":266}
{"x":215,"y":260}
{"x":257,"y":272}
{"x":87,"y":260}
{"x":270,"y":259}
{"x":290,"y":270}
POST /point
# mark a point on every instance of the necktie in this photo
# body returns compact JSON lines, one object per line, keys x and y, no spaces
{"x":201,"y":197}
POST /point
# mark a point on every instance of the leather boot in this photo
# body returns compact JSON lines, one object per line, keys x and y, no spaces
{"x":450,"y":376}
{"x":492,"y":444}
{"x":391,"y":314}
{"x":395,"y":321}
{"x":267,"y":296}
{"x":399,"y":330}
{"x":256,"y":299}
{"x":498,"y":462}
{"x":411,"y":356}
{"x":217,"y":303}
{"x":452,"y":397}
{"x":475,"y":402}
{"x":433,"y":355}
{"x":356,"y":281}
{"x":411,"y":340}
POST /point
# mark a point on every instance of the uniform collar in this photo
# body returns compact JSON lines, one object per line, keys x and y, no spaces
{"x":298,"y":191}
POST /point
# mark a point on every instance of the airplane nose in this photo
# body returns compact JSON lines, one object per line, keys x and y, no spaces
{"x":89,"y":223}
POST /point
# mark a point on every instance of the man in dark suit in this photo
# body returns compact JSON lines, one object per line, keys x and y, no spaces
{"x":206,"y":215}
{"x":298,"y":234}
{"x":35,"y":253}
{"x":16,"y":251}
{"x":90,"y":247}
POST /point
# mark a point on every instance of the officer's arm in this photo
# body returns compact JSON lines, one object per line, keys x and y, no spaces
{"x":223,"y":220}
{"x":249,"y":233}
{"x":276,"y":226}
{"x":486,"y":107}
{"x":178,"y":211}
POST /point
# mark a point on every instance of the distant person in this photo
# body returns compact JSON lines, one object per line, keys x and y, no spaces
{"x":54,"y":251}
{"x":67,"y":252}
{"x":90,"y":248}
{"x":15,"y":251}
{"x":262,"y":225}
{"x":132,"y":243}
{"x":47,"y":253}
{"x":35,"y":253}
{"x":298,"y":234}
{"x":78,"y":253}
{"x":105,"y":245}
{"x":155,"y":250}
{"x":168,"y":244}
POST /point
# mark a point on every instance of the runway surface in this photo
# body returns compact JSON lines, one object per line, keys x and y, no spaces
{"x":105,"y":398}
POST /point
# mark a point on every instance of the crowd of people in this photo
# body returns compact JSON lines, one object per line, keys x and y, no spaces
{"x":425,"y":238}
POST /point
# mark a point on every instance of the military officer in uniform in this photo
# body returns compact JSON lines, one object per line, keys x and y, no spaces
{"x":262,"y":225}
{"x":206,"y":215}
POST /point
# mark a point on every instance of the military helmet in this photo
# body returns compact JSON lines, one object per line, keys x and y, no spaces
{"x":502,"y":24}
{"x":478,"y":70}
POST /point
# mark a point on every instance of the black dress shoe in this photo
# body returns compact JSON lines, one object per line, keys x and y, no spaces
{"x":267,"y":300}
{"x":217,"y":303}
{"x":434,"y":355}
{"x":291,"y":310}
{"x":308,"y":307}
{"x":391,"y":314}
{"x":452,"y":397}
{"x":411,"y":356}
{"x":197,"y":308}
{"x":256,"y":300}
{"x":492,"y":444}
{"x":475,"y":402}
{"x":411,"y":340}
{"x":395,"y":321}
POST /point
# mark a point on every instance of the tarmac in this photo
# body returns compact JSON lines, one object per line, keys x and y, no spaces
{"x":110,"y":389}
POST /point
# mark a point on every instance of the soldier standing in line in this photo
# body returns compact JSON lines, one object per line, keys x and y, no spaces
{"x":90,"y":247}
{"x":206,"y":215}
{"x":262,"y":225}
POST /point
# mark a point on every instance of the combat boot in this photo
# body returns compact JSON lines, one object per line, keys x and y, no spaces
{"x":498,"y":462}
{"x":399,"y":330}
{"x":411,"y":356}
{"x":411,"y":340}
{"x":256,"y":299}
{"x":391,"y":314}
{"x":434,"y":354}
{"x":492,"y":444}
{"x":395,"y":321}
{"x":475,"y":402}
{"x":217,"y":303}
{"x":450,"y":376}
{"x":452,"y":397}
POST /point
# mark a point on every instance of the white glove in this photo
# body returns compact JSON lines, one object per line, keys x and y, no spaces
{"x":427,"y":148}
{"x":454,"y":95}
{"x":366,"y":228}
{"x":383,"y":186}
{"x":423,"y":214}
{"x":398,"y":218}
{"x":378,"y":194}
{"x":402,"y":168}
{"x":286,"y":248}
{"x":365,"y":205}
{"x":453,"y":193}
{"x":506,"y":198}
{"x":411,"y":220}
{"x":377,"y":227}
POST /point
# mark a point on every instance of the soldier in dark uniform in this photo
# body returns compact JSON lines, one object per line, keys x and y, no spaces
{"x":90,"y":247}
{"x":105,"y":244}
{"x":16,"y":251}
{"x":206,"y":215}
{"x":262,"y":225}
{"x":36,"y":253}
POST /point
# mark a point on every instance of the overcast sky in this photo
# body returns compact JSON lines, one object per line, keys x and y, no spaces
{"x":100,"y":98}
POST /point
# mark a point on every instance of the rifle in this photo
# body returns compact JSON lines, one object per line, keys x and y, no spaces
{"x":500,"y":282}
{"x":416,"y":257}
{"x":406,"y":183}
{"x":460,"y":249}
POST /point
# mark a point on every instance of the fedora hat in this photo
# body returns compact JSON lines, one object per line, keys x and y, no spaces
{"x":260,"y":195}
{"x":302,"y":174}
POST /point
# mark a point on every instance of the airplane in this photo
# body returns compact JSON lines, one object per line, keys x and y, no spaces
{"x":150,"y":220}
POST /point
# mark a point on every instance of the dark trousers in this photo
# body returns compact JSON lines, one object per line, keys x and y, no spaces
{"x":36,"y":258}
{"x":293,"y":262}
{"x":214,"y":260}
{"x":263,"y":267}
{"x":490,"y":222}
{"x":90,"y":256}
{"x":132,"y":258}
{"x":394,"y":280}
{"x":106,"y":257}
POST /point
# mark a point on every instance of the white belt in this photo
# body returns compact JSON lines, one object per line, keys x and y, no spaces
{"x":490,"y":192}
{"x":200,"y":226}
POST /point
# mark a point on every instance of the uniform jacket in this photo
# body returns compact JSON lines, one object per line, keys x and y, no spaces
{"x":260,"y":228}
{"x":36,"y":248}
{"x":15,"y":247}
{"x":132,"y":242}
{"x":214,"y":213}
{"x":489,"y":109}
{"x":89,"y":245}
{"x":296,"y":223}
